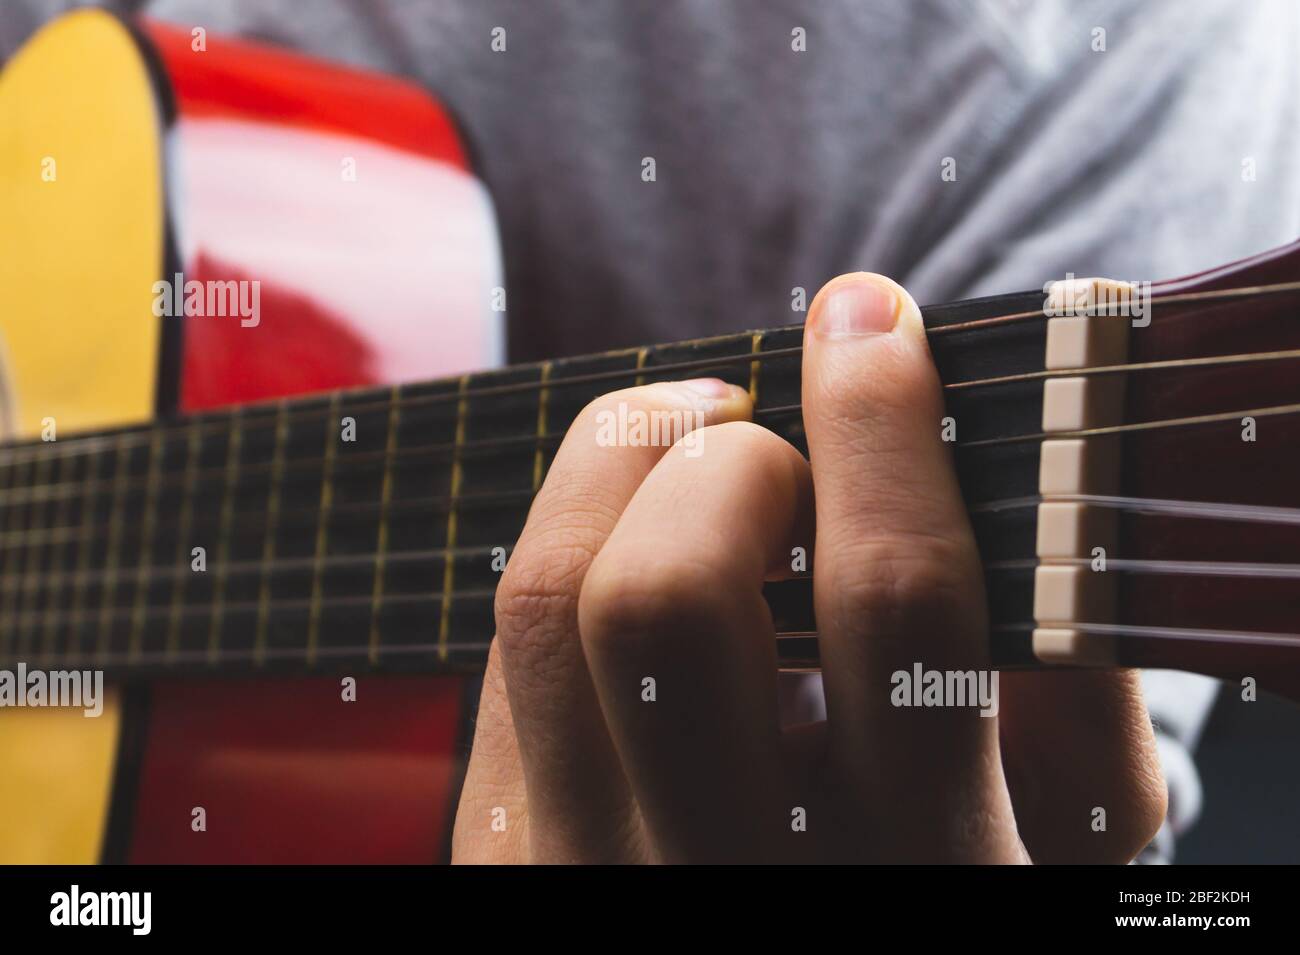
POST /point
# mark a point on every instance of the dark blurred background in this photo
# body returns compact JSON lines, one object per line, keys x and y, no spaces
{"x":1250,"y":770}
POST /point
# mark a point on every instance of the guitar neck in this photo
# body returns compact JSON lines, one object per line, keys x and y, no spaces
{"x":364,"y":527}
{"x":368,"y":528}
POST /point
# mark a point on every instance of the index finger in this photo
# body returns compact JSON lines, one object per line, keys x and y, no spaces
{"x":579,"y":804}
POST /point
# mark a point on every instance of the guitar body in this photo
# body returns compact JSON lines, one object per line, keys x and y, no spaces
{"x":342,"y":207}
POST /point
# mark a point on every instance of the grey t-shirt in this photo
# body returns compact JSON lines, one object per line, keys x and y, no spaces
{"x":962,"y":147}
{"x":1100,"y":137}
{"x":796,"y":139}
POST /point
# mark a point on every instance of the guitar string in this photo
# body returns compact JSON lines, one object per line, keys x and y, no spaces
{"x":309,"y":514}
{"x":1180,"y":298}
{"x":1208,"y":510}
{"x":367,"y":562}
{"x":1158,"y":425}
{"x":1121,"y":633}
{"x":1188,"y":634}
{"x":367,"y":602}
{"x":1166,"y":364}
{"x":1255,"y":637}
{"x":218,"y":420}
{"x":1193,"y":568}
{"x":310,"y":467}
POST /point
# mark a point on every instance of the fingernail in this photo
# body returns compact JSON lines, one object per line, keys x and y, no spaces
{"x":709,"y":387}
{"x":853,"y":307}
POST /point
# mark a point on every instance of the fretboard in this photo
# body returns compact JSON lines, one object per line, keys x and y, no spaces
{"x":369,"y":527}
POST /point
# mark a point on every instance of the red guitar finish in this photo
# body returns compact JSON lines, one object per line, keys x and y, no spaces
{"x":349,"y":197}
{"x":1210,"y":465}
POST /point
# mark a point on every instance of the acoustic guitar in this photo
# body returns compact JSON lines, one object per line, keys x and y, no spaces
{"x":263,"y":474}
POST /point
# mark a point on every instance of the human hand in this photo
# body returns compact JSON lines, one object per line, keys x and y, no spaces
{"x":644,"y":562}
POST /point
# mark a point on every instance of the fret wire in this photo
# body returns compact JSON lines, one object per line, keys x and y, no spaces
{"x":234,"y":445}
{"x":57,"y":573}
{"x":8,"y":474}
{"x":641,"y":354}
{"x":332,"y":436}
{"x":103,"y":629}
{"x":31,"y":567}
{"x":448,"y":572}
{"x":145,"y":563}
{"x":272,"y":525}
{"x":12,"y":517}
{"x":381,"y":542}
{"x":755,"y":348}
{"x":193,"y":447}
{"x":543,"y":402}
{"x":90,"y":484}
{"x":705,"y":363}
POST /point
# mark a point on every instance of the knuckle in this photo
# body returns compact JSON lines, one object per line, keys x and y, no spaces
{"x":624,"y":602}
{"x":1132,"y":822}
{"x":1150,"y":807}
{"x":576,"y":499}
{"x":915,"y":584}
{"x":1143,"y":795}
{"x":1154,"y":810}
{"x":536,"y":599}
